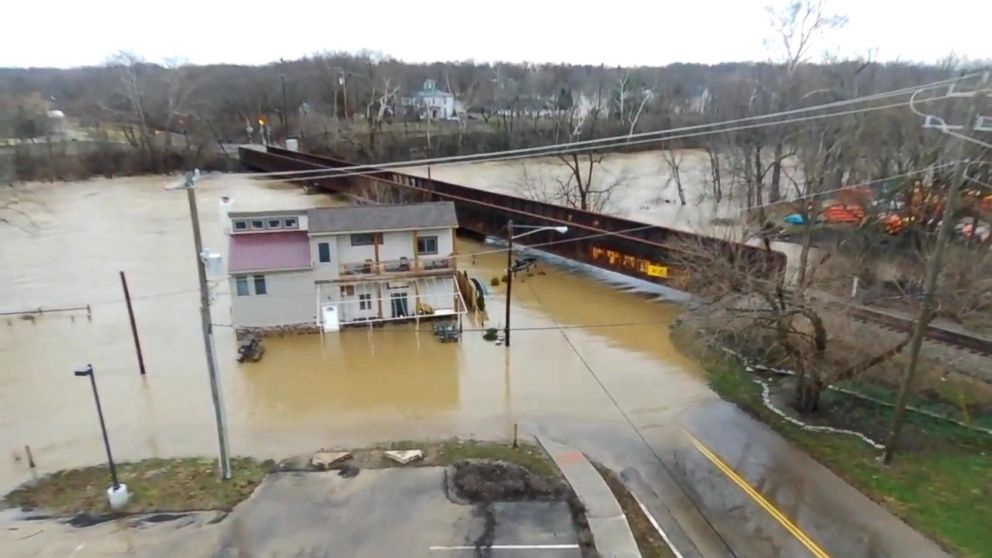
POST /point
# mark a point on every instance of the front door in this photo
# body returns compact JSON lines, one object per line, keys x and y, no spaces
{"x":399,"y":305}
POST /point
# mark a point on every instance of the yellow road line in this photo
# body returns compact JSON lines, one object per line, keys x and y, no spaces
{"x":758,"y":498}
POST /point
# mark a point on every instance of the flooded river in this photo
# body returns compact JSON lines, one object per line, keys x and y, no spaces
{"x":309,"y":391}
{"x":644,"y":190}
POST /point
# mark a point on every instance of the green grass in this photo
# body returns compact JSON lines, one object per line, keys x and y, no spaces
{"x":155,"y":485}
{"x":449,"y":452}
{"x":953,"y":402}
{"x":944,"y":490}
{"x":649,"y":542}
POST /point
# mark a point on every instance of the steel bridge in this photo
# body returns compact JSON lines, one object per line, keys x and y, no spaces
{"x":636,"y":249}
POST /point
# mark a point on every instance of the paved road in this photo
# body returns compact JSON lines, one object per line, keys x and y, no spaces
{"x":796,"y":508}
{"x":386,"y":512}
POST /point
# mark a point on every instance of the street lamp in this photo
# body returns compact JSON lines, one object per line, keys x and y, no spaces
{"x":509,"y":262}
{"x":116,"y":494}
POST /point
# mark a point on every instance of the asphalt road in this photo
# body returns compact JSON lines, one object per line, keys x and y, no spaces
{"x":384,"y":512}
{"x":723,"y":484}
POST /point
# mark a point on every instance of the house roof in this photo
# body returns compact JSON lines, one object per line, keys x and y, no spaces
{"x":272,"y":213}
{"x":430,"y":93}
{"x":365,"y":218}
{"x":271,"y":251}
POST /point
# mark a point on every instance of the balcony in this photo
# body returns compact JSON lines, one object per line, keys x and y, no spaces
{"x":402,"y":265}
{"x":431,"y":264}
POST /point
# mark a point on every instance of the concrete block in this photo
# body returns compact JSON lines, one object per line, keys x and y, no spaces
{"x":405,"y":456}
{"x":324,"y":459}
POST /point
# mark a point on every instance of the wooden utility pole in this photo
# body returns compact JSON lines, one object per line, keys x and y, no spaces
{"x":208,"y":335}
{"x":134,"y":326}
{"x":928,"y":308}
{"x":509,"y":277}
{"x":285,"y":115}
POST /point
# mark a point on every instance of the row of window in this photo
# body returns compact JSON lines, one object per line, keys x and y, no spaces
{"x":426,"y":245}
{"x":266,"y":223}
{"x":242,"y":285}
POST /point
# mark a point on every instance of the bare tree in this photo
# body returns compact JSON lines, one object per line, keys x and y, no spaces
{"x":754,"y":313}
{"x":673,"y":158}
{"x":713,"y":152}
{"x":582,"y":187}
{"x":464,"y":96}
{"x":134,"y":122}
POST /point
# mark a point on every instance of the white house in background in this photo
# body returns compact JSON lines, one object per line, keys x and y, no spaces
{"x":342,"y":265}
{"x":431,"y":102}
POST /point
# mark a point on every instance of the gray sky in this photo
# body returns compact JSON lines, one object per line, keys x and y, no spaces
{"x":67,"y":33}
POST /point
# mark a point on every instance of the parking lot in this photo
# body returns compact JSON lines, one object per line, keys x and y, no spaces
{"x":379,"y":512}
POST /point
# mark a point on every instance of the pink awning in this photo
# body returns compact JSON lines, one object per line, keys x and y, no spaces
{"x":269,"y":251}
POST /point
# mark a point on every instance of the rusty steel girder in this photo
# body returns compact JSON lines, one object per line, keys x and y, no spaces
{"x":632,"y":248}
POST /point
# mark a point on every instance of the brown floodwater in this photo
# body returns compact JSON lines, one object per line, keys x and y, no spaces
{"x":644,"y":189}
{"x":309,"y":391}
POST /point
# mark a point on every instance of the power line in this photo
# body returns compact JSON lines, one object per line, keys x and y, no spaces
{"x":343,"y":172}
{"x":848,"y":187}
{"x":630,"y":422}
{"x":625,"y":139}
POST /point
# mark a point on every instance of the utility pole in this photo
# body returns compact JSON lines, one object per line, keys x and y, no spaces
{"x":285,"y":115}
{"x":509,"y":277}
{"x":134,"y":326}
{"x":208,"y":336}
{"x":928,"y":308}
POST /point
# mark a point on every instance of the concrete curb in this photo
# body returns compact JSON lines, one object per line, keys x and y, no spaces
{"x":610,"y":531}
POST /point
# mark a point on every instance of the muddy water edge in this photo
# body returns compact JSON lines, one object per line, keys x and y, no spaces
{"x":68,"y":241}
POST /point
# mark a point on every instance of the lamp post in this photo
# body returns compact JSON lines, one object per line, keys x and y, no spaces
{"x":509,"y":262}
{"x":117,"y":493}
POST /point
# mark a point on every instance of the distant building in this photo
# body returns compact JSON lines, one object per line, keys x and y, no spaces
{"x":431,"y":102}
{"x":330,"y":267}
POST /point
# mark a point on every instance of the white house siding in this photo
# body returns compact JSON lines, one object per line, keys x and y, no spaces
{"x":445,"y":240}
{"x":290,"y":299}
{"x":325,"y":271}
{"x":348,"y":254}
{"x":396,"y":245}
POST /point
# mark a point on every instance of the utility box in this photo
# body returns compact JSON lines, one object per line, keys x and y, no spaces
{"x":292,"y":144}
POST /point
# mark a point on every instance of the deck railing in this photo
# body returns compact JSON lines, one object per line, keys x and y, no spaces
{"x":401,"y":265}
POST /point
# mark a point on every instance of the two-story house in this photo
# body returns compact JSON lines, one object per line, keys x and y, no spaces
{"x":431,"y":103}
{"x":329,"y":267}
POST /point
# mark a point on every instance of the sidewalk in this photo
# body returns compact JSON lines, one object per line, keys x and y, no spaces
{"x":610,"y":530}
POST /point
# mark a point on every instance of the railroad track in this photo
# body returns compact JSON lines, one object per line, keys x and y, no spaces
{"x":961,"y":340}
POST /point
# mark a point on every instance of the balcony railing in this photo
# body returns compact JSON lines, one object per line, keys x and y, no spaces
{"x":402,"y":265}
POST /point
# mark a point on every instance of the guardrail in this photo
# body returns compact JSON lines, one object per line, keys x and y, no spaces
{"x":401,"y":265}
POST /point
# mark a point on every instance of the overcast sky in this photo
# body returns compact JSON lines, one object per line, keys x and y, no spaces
{"x":67,"y":33}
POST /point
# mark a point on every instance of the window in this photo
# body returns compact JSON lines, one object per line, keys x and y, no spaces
{"x":260,"y":285}
{"x":258,"y":224}
{"x":324,"y":252}
{"x":289,"y":223}
{"x":242,"y":286}
{"x":426,"y":245}
{"x":365,"y":302}
{"x":240,"y":225}
{"x":275,"y":223}
{"x":366,"y":239}
{"x":348,"y":290}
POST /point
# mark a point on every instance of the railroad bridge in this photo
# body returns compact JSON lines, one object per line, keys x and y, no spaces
{"x":632,"y":248}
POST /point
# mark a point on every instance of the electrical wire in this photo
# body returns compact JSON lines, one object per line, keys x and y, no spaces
{"x":625,"y":139}
{"x":343,"y":172}
{"x":869,"y":183}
